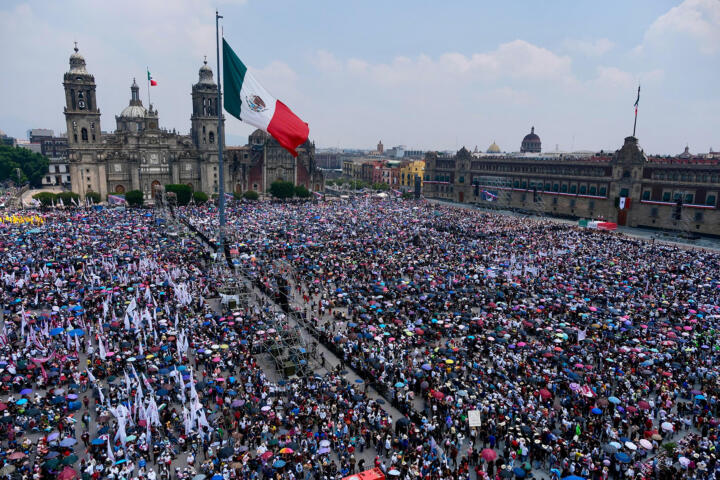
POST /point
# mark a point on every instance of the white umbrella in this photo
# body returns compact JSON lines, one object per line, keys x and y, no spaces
{"x":645,"y":444}
{"x":667,"y":426}
{"x":631,"y":446}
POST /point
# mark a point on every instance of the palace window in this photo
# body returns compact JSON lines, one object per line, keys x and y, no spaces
{"x":710,"y":200}
{"x":556,"y":188}
{"x":593,"y":190}
{"x":689,"y":197}
{"x":564,"y":188}
{"x":573,"y":188}
{"x":624,"y":192}
{"x":583,"y":189}
{"x":603,"y":191}
{"x":646,"y":195}
{"x":666,"y":196}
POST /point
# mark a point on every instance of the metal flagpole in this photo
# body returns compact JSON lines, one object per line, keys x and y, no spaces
{"x":221,"y":233}
{"x":637,"y":102}
{"x":147,"y":74}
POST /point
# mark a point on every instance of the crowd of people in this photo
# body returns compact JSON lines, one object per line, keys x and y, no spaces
{"x":501,"y":347}
{"x":576,"y":352}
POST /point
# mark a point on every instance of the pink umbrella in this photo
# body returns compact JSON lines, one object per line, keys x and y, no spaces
{"x":574,"y":387}
{"x":489,"y":455}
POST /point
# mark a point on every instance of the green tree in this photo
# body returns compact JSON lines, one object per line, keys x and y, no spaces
{"x":134,"y":198}
{"x":45,"y":198}
{"x":67,"y":198}
{"x":380,"y":186}
{"x":94,"y":196}
{"x":200,"y":197}
{"x":33,"y":166}
{"x":281,"y":189}
{"x":183,"y":192}
{"x":301,"y":191}
{"x":251,"y":195}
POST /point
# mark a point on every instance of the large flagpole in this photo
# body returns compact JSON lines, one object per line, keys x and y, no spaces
{"x":221,"y":232}
{"x":637,"y":102}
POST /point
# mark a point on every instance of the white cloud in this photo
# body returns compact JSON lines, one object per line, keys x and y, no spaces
{"x":591,"y":48}
{"x":698,"y":19}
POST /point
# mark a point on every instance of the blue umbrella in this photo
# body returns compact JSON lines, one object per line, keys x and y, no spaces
{"x":573,"y":477}
{"x":519,"y":472}
{"x":56,"y":331}
{"x":217,"y":477}
{"x":614,"y":400}
{"x":622,"y":457}
{"x":76,"y":332}
{"x":68,"y":442}
{"x":98,"y":441}
{"x":699,"y":397}
{"x":596,"y":411}
{"x":279,"y":464}
{"x":399,"y":385}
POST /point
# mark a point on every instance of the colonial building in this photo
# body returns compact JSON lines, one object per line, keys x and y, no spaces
{"x":627,"y":186}
{"x":139,"y":155}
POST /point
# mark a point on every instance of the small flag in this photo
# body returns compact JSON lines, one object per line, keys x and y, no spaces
{"x":153,"y":83}
{"x":488,"y":196}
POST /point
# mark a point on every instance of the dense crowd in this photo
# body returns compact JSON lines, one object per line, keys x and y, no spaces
{"x":580,"y":352}
{"x":572,"y":353}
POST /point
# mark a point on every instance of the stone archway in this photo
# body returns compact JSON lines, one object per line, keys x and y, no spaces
{"x":119,"y":189}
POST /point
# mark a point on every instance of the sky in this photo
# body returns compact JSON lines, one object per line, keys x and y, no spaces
{"x":424,"y":74}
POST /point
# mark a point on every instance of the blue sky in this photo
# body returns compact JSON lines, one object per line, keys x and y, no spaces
{"x":430,"y":75}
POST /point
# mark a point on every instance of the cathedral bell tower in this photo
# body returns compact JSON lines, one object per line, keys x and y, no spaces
{"x":82,"y":116}
{"x":203,"y":121}
{"x":81,"y":111}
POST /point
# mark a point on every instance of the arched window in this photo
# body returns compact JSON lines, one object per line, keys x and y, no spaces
{"x":211,"y":136}
{"x":84,"y":134}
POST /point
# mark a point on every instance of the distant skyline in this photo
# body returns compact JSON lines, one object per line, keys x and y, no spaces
{"x":423,"y":74}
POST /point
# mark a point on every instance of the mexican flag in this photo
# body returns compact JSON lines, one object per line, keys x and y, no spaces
{"x":249,"y":102}
{"x":153,"y":83}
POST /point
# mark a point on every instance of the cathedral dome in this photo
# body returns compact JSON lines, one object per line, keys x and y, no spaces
{"x":77,"y":63}
{"x":134,"y":111}
{"x":494,"y":148}
{"x":206,"y":75}
{"x":531,"y":142}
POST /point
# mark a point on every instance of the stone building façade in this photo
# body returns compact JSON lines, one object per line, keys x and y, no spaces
{"x":655,"y":189}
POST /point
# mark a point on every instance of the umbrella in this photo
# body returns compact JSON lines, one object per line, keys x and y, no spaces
{"x":16,"y":456}
{"x":573,"y":477}
{"x":7,"y":469}
{"x":67,"y":474}
{"x":26,"y":391}
{"x":286,"y":450}
{"x":225,"y":452}
{"x":667,"y":426}
{"x":614,"y":400}
{"x":488,"y":454}
{"x":98,"y":441}
{"x":610,"y":448}
{"x":70,"y":459}
{"x":645,"y":444}
{"x":52,"y":463}
{"x":279,"y":464}
{"x":630,"y":446}
{"x":519,"y":472}
{"x":622,"y":457}
{"x":324,"y":443}
{"x":68,"y":442}
{"x":596,"y":411}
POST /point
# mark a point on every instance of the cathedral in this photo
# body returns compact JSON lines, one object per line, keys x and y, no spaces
{"x":139,"y":155}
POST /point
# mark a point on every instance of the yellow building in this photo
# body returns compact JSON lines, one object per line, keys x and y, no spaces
{"x":408,"y":172}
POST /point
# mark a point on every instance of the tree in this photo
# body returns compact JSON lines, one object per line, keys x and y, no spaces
{"x":94,"y":196}
{"x":251,"y":195}
{"x":45,"y":198}
{"x":380,"y":186}
{"x":134,"y":198}
{"x":33,"y":166}
{"x":281,"y":189}
{"x":301,"y":191}
{"x":67,"y":198}
{"x":183,"y":192}
{"x":200,"y":197}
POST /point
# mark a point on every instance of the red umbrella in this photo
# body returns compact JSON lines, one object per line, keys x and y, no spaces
{"x":16,"y":456}
{"x":545,"y":393}
{"x":643,"y":405}
{"x":488,"y":454}
{"x":266,"y":455}
{"x":67,"y":474}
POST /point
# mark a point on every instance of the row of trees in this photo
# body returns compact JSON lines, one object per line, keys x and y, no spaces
{"x":21,"y":166}
{"x":282,"y":190}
